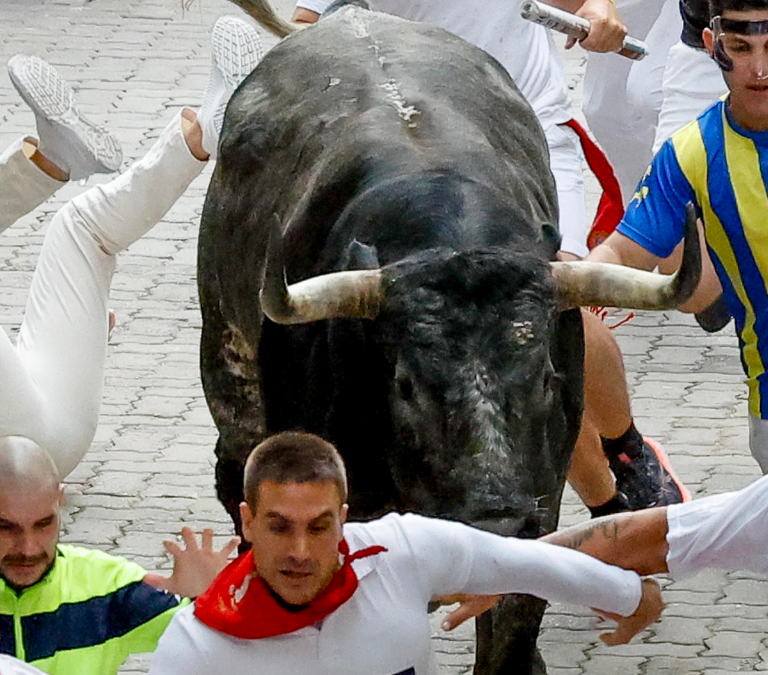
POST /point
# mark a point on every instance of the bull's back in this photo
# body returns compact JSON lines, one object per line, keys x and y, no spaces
{"x":363,"y":92}
{"x":357,"y":100}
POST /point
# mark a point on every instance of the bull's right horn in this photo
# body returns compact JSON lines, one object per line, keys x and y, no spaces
{"x":583,"y":284}
{"x":352,"y":295}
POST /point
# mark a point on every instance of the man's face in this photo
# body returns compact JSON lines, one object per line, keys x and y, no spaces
{"x":29,"y":532}
{"x":748,"y":81}
{"x":295,"y":533}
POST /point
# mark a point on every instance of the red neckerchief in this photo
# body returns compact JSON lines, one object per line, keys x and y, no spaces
{"x":240,"y":604}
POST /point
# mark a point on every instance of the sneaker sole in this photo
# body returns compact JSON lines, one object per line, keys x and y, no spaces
{"x":49,"y":96}
{"x":236,"y":49}
{"x":663,"y":458}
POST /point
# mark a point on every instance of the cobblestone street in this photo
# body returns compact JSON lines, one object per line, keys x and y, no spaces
{"x":133,"y":64}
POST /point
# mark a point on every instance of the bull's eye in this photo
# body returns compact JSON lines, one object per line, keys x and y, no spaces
{"x":405,"y":388}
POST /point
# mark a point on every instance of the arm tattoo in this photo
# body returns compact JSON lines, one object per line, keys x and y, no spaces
{"x":575,"y":537}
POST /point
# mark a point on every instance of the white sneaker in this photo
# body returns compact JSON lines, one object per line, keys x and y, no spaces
{"x":66,"y":137}
{"x":235,"y":51}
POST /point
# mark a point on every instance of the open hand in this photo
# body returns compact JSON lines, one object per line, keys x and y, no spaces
{"x":194,"y":566}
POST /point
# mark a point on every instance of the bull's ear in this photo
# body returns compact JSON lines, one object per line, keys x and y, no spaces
{"x":550,"y":237}
{"x":361,"y":256}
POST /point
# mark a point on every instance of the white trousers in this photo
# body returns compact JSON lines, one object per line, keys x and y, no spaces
{"x":23,"y":186}
{"x":566,"y":160}
{"x":624,"y":121}
{"x":52,"y":378}
{"x":692,"y":82}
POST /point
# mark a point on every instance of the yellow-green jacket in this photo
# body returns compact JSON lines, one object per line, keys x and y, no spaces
{"x":85,"y":616}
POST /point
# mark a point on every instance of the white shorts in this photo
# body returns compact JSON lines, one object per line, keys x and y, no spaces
{"x":567,"y":163}
{"x":692,"y":82}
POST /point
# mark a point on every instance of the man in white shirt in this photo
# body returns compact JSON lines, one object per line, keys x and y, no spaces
{"x":316,"y":596}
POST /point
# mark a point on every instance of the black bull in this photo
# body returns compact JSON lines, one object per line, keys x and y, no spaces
{"x":368,"y":142}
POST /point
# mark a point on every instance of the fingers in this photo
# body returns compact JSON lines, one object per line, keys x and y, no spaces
{"x":471,"y":607}
{"x":190,"y":543}
{"x":208,"y":539}
{"x":173,"y":548}
{"x":570,"y":42}
{"x":606,"y":29}
{"x":230,"y":546}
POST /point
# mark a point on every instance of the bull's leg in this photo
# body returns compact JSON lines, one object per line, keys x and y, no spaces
{"x":506,"y":638}
{"x":229,"y":485}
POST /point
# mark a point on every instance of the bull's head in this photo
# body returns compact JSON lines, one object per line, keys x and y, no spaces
{"x":485,"y":366}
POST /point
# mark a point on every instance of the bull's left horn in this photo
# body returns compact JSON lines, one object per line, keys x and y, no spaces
{"x":351,"y":295}
{"x":581,"y":284}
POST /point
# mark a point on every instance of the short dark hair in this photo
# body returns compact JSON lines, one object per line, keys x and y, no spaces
{"x":293,"y":457}
{"x":718,"y":7}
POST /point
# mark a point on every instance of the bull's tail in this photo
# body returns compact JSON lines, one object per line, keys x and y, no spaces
{"x":262,"y":11}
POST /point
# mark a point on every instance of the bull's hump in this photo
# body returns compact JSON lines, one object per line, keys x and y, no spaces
{"x":373,"y":31}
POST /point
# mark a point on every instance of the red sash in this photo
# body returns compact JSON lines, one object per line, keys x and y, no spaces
{"x":240,"y":604}
{"x":610,"y":210}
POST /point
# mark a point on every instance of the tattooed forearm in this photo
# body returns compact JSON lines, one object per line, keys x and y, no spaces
{"x":635,"y":540}
{"x":576,"y":537}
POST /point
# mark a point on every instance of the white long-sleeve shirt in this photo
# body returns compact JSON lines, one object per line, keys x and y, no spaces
{"x":384,"y":628}
{"x":727,"y":531}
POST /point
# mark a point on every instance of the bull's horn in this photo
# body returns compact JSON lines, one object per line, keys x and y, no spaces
{"x":582,"y":284}
{"x":339,"y":295}
{"x":266,"y":17}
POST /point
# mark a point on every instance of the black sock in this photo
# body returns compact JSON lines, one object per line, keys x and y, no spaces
{"x":616,"y":504}
{"x":630,"y":443}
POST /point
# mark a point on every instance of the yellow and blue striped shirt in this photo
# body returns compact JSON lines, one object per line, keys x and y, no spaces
{"x":723,"y":169}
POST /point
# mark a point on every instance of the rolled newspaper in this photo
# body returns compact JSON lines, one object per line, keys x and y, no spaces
{"x":575,"y":26}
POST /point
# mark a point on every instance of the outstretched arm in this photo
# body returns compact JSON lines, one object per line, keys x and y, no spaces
{"x":635,"y":540}
{"x":455,"y":558}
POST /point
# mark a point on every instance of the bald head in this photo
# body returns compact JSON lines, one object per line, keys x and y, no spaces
{"x":25,"y":465}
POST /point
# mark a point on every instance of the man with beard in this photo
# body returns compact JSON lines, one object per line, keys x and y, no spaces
{"x":69,"y":609}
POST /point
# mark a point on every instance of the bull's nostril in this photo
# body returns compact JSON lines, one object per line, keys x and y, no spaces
{"x":405,"y":388}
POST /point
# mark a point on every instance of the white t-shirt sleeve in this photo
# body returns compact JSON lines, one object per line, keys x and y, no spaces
{"x":318,"y":6}
{"x":726,"y":531}
{"x":455,"y":558}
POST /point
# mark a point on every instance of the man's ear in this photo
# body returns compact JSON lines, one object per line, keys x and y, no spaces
{"x":343,"y":514}
{"x":709,"y":40}
{"x":246,"y":519}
